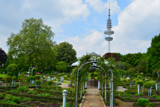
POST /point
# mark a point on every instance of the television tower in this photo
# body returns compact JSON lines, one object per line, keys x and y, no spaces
{"x":109,"y":32}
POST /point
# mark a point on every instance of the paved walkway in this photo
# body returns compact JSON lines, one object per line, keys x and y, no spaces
{"x":92,"y":98}
{"x":120,"y":88}
{"x":64,"y":85}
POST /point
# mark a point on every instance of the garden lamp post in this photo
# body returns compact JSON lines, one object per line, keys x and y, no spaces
{"x":111,"y":88}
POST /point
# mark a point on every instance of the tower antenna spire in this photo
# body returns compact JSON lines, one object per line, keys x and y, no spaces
{"x":109,"y":11}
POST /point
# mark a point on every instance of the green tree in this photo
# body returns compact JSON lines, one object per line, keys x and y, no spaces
{"x":12,"y":69}
{"x":62,"y":66}
{"x":66,"y":53}
{"x":153,"y":53}
{"x":149,"y":85}
{"x":132,"y":59}
{"x":3,"y":57}
{"x":33,"y":45}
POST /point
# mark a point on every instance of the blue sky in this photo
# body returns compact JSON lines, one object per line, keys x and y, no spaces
{"x":82,"y":22}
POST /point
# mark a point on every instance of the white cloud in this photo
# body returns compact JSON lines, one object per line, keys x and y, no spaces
{"x":100,"y":6}
{"x":91,"y":43}
{"x":54,"y":13}
{"x":137,"y":25}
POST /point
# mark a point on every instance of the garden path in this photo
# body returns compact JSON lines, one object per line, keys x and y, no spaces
{"x":92,"y":98}
{"x":120,"y":88}
{"x":64,"y":85}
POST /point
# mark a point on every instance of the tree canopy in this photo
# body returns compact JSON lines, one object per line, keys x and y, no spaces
{"x":132,"y":58}
{"x":153,"y":53}
{"x":66,"y":53}
{"x":3,"y":57}
{"x":33,"y":45}
{"x":62,"y":66}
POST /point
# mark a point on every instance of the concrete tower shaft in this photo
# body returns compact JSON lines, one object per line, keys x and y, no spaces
{"x":109,"y":31}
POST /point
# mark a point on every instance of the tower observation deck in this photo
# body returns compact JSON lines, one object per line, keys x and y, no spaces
{"x":109,"y":32}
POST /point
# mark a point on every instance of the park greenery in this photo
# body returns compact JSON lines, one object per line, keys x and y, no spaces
{"x":35,"y":68}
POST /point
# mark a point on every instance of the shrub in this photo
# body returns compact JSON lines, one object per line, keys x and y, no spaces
{"x":37,"y":77}
{"x":50,"y":83}
{"x":10,"y":102}
{"x":141,"y":94}
{"x":126,"y":98}
{"x":44,"y":94}
{"x":8,"y":79}
{"x":14,"y":91}
{"x":150,"y":105}
{"x":127,"y":95}
{"x":1,"y":95}
{"x":148,"y":84}
{"x":16,"y":99}
{"x":31,"y":78}
{"x":142,"y":101}
{"x":12,"y":69}
{"x":38,"y":82}
{"x":23,"y":89}
{"x":8,"y":97}
{"x":140,"y":82}
{"x":155,"y":96}
{"x":25,"y":99}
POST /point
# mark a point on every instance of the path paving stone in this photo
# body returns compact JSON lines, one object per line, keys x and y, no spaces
{"x":92,"y":98}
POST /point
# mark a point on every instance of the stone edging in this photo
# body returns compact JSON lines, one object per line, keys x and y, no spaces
{"x":80,"y":105}
{"x":101,"y":99}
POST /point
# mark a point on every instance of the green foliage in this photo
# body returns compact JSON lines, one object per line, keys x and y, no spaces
{"x":8,"y":79}
{"x":156,"y":74}
{"x":44,"y":94}
{"x":12,"y":99}
{"x":142,"y":102}
{"x":141,"y":94}
{"x":157,"y":97}
{"x":31,"y":78}
{"x":10,"y":102}
{"x":153,"y":53}
{"x":14,"y":91}
{"x":1,"y":95}
{"x":129,"y":95}
{"x":25,"y":99}
{"x":12,"y":69}
{"x":38,"y":82}
{"x":33,"y":45}
{"x":141,"y":67}
{"x":149,"y":84}
{"x":85,"y":58}
{"x":23,"y":89}
{"x":37,"y":77}
{"x":8,"y":97}
{"x":140,"y":82}
{"x":62,"y":66}
{"x":50,"y":83}
{"x":132,"y":59}
{"x":16,"y":99}
{"x":3,"y":57}
{"x":66,"y":53}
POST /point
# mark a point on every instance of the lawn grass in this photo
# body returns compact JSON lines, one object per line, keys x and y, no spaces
{"x":3,"y":75}
{"x":67,"y":82}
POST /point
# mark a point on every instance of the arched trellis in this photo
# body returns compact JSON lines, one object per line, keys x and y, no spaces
{"x":94,"y":62}
{"x":111,"y":82}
